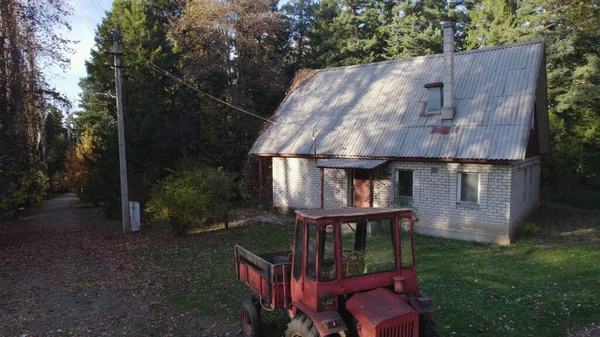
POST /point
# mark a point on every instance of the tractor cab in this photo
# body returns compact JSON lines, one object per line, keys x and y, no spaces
{"x":341,"y":252}
{"x":351,"y":272}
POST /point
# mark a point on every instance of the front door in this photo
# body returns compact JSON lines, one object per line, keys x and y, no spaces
{"x":362,"y":188}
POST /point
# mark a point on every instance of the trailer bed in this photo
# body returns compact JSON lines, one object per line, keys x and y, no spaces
{"x":268,"y":275}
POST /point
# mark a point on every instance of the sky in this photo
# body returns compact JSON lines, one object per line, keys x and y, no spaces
{"x":87,"y":15}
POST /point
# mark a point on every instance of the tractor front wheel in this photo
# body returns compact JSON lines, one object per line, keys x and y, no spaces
{"x":301,"y":326}
{"x":250,"y":319}
{"x":427,"y":327}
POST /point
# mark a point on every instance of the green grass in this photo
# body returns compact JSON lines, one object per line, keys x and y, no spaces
{"x":540,"y":286}
{"x":578,"y":199}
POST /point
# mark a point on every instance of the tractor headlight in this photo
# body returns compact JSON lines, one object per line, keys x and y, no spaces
{"x":424,"y":300}
{"x":326,"y":302}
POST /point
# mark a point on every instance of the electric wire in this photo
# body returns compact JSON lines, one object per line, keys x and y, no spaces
{"x":173,"y":77}
{"x":89,"y":19}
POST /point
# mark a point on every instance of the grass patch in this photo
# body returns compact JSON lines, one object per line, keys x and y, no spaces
{"x":579,"y":199}
{"x":540,"y":286}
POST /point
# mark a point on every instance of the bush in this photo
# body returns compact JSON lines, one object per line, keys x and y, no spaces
{"x":529,"y":228}
{"x":194,"y":197}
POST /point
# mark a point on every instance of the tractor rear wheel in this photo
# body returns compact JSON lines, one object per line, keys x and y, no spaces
{"x":301,"y":326}
{"x":250,"y":319}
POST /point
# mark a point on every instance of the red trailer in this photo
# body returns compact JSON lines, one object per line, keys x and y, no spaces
{"x":351,"y":272}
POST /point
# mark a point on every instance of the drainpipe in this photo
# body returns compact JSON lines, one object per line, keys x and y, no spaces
{"x":322,"y":189}
{"x":448,"y":108}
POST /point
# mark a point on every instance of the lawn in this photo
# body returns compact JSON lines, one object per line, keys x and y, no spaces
{"x":539,"y":286}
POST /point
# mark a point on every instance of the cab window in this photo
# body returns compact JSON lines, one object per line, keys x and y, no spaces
{"x":327,"y":250}
{"x":298,"y":249}
{"x":368,"y":247}
{"x":406,"y":242}
{"x":311,"y":251}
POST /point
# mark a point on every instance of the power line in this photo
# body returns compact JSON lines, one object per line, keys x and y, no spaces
{"x":84,"y":25}
{"x":97,"y":8}
{"x":85,"y":13}
{"x":159,"y":69}
{"x":100,"y":5}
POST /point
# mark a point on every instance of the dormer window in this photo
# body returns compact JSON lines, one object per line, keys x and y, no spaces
{"x":435,"y":97}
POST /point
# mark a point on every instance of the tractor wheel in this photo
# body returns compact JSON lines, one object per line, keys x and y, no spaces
{"x":301,"y":326}
{"x":250,"y":319}
{"x":427,"y":327}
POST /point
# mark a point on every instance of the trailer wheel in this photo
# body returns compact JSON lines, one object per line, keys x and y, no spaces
{"x":427,"y":327}
{"x":250,"y":319}
{"x":301,"y":326}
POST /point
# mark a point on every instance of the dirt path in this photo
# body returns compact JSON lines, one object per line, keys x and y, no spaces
{"x":60,"y":277}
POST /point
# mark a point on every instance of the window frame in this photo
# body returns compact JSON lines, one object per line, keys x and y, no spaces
{"x":322,"y":232}
{"x":394,"y":235}
{"x":397,"y":182}
{"x":435,"y":94}
{"x":298,"y":266}
{"x":459,"y":194}
{"x":307,"y":249}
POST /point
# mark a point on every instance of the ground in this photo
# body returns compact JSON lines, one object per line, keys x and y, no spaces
{"x":68,"y":271}
{"x":61,"y":277}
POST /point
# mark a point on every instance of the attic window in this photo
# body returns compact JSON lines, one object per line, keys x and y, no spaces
{"x":435,"y":97}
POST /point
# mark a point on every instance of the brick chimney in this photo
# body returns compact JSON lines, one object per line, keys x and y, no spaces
{"x":448,"y":108}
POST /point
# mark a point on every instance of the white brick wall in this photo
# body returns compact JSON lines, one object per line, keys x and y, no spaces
{"x":296,"y":184}
{"x":525,"y":190}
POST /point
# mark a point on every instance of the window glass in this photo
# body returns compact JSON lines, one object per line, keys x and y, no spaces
{"x":298,"y":249}
{"x":327,"y":266}
{"x":406,"y":242}
{"x":311,"y":251}
{"x":367,"y":247}
{"x":434,"y":98}
{"x":469,"y":187}
{"x":404,"y":186}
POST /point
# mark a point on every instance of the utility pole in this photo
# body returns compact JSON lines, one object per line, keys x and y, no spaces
{"x":121,"y":132}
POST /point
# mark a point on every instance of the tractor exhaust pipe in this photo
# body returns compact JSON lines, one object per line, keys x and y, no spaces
{"x":398,"y":284}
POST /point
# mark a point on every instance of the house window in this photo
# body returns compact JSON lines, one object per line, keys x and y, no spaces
{"x":404,"y":183}
{"x":468,"y":185}
{"x":435,"y":96}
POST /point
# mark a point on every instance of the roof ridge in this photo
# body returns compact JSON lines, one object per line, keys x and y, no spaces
{"x":422,"y":57}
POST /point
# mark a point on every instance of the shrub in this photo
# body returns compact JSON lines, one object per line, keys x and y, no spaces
{"x":529,"y":228}
{"x":194,"y":197}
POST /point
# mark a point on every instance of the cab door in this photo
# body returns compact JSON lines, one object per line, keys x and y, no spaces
{"x":298,"y":261}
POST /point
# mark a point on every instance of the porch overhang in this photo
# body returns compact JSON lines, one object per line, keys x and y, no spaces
{"x":363,"y":164}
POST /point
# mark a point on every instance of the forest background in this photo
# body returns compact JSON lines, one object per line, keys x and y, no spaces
{"x":246,"y":53}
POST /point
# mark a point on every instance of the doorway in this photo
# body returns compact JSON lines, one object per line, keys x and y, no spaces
{"x":360,"y":188}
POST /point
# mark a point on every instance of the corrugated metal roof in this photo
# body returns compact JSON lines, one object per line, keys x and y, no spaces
{"x":374,"y":110}
{"x":351,"y":163}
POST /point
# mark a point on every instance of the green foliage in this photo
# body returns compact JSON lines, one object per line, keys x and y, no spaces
{"x":528,"y":228}
{"x":245,"y":53}
{"x":193,"y":197}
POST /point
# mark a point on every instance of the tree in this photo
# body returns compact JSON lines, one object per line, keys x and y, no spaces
{"x":492,"y":23}
{"x":300,"y":14}
{"x":236,"y":51}
{"x":28,"y":42}
{"x":347,"y":32}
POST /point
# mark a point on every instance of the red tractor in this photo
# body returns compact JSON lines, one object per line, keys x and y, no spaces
{"x":351,"y":272}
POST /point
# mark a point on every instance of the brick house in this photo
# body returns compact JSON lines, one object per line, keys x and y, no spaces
{"x":457,"y":136}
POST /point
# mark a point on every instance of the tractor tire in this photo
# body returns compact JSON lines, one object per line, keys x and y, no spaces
{"x":250,"y":319}
{"x":427,"y":327}
{"x":301,"y":326}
